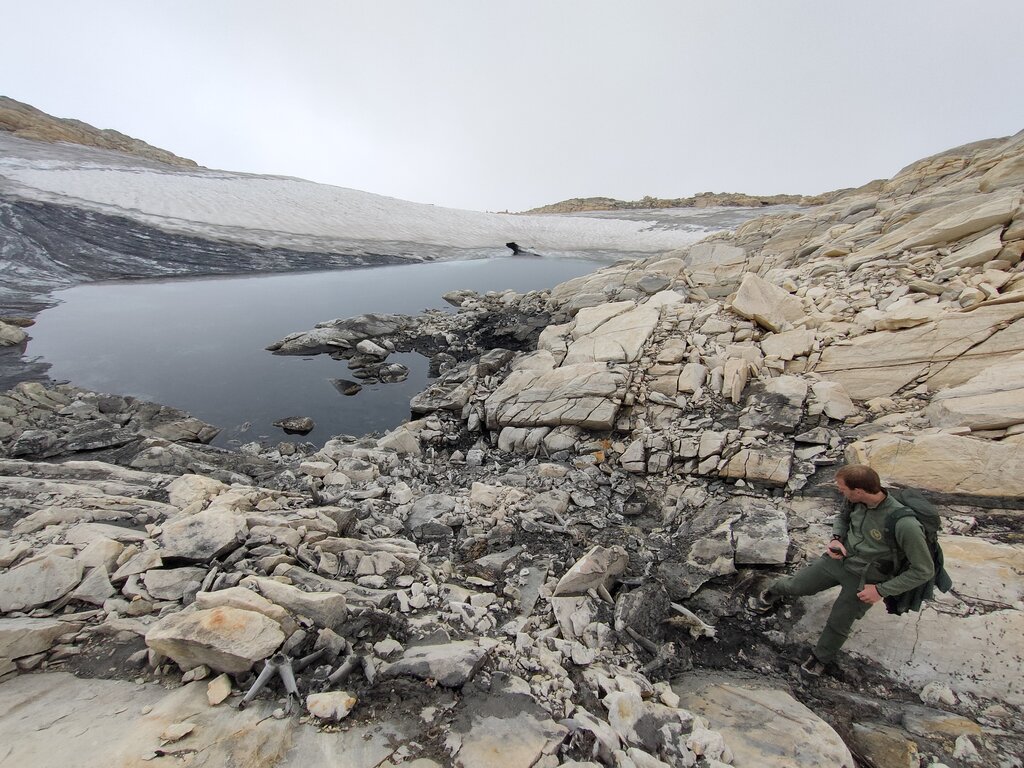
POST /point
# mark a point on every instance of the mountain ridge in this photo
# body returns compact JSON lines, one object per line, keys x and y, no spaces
{"x":27,"y":122}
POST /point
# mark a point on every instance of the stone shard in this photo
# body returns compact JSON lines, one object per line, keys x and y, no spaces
{"x":224,"y":639}
{"x":595,"y":569}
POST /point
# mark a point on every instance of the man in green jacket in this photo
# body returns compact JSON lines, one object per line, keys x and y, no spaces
{"x":859,"y":560}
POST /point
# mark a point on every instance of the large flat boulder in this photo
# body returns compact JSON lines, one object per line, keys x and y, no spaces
{"x":618,"y":339}
{"x":944,"y":463}
{"x":994,"y":399}
{"x":203,"y":536}
{"x":945,"y":353}
{"x":450,"y":664}
{"x":764,"y":727}
{"x":224,"y":639}
{"x":325,"y":609}
{"x":24,"y":636}
{"x":38,"y":582}
{"x":586,"y":395}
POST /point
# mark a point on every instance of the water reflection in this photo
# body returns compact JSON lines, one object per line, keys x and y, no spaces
{"x":198,"y":344}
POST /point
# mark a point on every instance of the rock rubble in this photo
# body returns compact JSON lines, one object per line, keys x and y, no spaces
{"x":554,"y":554}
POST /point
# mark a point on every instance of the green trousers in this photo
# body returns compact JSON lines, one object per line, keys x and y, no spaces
{"x":820,"y":575}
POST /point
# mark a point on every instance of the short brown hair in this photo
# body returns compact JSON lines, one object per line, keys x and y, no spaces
{"x":860,"y":477}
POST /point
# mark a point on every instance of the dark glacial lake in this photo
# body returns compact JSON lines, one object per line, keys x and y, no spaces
{"x":198,"y":344}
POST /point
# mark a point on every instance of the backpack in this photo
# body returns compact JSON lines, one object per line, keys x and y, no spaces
{"x":917,"y":505}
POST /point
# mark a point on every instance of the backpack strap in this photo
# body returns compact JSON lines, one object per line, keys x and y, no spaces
{"x":890,"y":529}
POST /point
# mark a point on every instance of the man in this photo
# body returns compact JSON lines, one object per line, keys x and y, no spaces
{"x":859,"y":560}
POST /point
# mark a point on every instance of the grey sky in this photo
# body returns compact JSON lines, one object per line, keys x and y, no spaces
{"x":494,"y":106}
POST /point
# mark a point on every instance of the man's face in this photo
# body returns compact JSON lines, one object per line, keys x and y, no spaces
{"x":850,"y":494}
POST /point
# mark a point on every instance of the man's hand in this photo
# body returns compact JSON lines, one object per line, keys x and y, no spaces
{"x":869,"y":594}
{"x":836,"y":550}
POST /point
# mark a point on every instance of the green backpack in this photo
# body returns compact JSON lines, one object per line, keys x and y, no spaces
{"x":917,"y":505}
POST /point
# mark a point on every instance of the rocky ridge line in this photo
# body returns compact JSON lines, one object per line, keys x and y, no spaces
{"x":27,"y":122}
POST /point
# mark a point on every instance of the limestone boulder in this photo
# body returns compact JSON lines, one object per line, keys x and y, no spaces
{"x":38,"y":582}
{"x":618,"y":339}
{"x":187,"y":490}
{"x":24,"y":636}
{"x":761,"y":535}
{"x":715,"y":263}
{"x":503,"y":727}
{"x":945,"y":353}
{"x":750,"y":719}
{"x":944,"y":463}
{"x":11,"y":335}
{"x":595,"y":569}
{"x":788,"y":344}
{"x":832,"y":399}
{"x":767,"y":305}
{"x":587,"y":395}
{"x":331,"y":705}
{"x":173,"y":583}
{"x":994,"y":399}
{"x":325,"y":609}
{"x":203,"y":536}
{"x":450,"y":664}
{"x":224,"y":639}
{"x":769,"y":466}
{"x":246,"y":600}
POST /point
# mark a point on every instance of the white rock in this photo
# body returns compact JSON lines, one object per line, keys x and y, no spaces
{"x":332,"y":705}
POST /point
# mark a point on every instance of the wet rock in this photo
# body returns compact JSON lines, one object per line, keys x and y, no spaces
{"x":347,"y":387}
{"x":35,"y":444}
{"x":296,"y":425}
{"x":224,"y":639}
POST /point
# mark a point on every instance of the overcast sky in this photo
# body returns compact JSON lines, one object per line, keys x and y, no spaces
{"x":494,"y":106}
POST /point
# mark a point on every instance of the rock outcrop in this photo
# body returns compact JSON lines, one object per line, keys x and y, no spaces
{"x":27,"y":122}
{"x":577,"y":518}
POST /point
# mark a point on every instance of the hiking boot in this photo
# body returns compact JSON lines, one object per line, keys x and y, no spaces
{"x":764,"y":602}
{"x":812,"y":667}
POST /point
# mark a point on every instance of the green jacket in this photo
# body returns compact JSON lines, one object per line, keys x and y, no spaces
{"x":868,"y":553}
